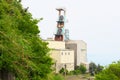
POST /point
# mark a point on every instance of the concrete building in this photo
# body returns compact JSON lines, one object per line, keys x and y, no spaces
{"x":56,"y":44}
{"x":80,"y":51}
{"x":66,"y":53}
{"x":63,"y":58}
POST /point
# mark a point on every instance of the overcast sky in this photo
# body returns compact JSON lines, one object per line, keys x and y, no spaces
{"x":97,"y":22}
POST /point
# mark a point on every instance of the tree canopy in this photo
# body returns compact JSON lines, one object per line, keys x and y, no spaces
{"x":22,"y":52}
{"x":95,"y":69}
{"x":112,"y":72}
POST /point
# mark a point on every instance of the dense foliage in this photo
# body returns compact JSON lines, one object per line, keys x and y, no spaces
{"x":112,"y":72}
{"x":63,"y":71}
{"x":22,"y":52}
{"x":82,"y":69}
{"x":79,"y":70}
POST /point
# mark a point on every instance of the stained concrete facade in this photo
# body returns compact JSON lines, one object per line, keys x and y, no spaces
{"x":61,"y":50}
{"x":56,"y":44}
{"x":61,"y":56}
{"x":80,"y":49}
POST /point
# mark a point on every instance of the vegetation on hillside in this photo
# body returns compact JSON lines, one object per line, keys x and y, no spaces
{"x":112,"y":72}
{"x":24,"y":55}
{"x":22,"y":52}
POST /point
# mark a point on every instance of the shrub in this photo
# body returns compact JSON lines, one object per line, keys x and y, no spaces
{"x":112,"y":72}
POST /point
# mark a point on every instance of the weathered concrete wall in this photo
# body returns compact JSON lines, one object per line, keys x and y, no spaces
{"x":80,"y":49}
{"x":61,"y":58}
{"x":56,"y":44}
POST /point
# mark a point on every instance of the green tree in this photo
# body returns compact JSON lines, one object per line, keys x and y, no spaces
{"x":22,"y":52}
{"x":112,"y":72}
{"x":82,"y":69}
{"x":92,"y":68}
{"x":99,"y":68}
{"x":95,"y":69}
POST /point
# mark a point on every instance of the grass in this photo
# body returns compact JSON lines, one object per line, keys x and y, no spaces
{"x":58,"y":77}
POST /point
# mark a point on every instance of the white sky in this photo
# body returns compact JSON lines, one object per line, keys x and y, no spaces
{"x":97,"y":22}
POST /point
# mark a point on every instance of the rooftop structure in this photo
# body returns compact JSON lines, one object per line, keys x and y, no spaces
{"x":67,"y":34}
{"x":66,"y":53}
{"x":59,"y":36}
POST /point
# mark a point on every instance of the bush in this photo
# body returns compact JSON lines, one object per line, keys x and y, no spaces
{"x":62,"y":71}
{"x":82,"y":69}
{"x":78,"y":70}
{"x":58,"y":77}
{"x":112,"y":72}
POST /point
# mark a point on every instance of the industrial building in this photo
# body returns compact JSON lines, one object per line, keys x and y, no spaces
{"x":66,"y":53}
{"x":80,"y":51}
{"x":62,"y":57}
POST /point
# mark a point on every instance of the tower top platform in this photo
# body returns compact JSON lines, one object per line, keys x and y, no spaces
{"x":61,"y":9}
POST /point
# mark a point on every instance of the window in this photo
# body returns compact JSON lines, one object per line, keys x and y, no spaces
{"x":61,"y":53}
{"x":68,"y":48}
{"x":68,"y":53}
